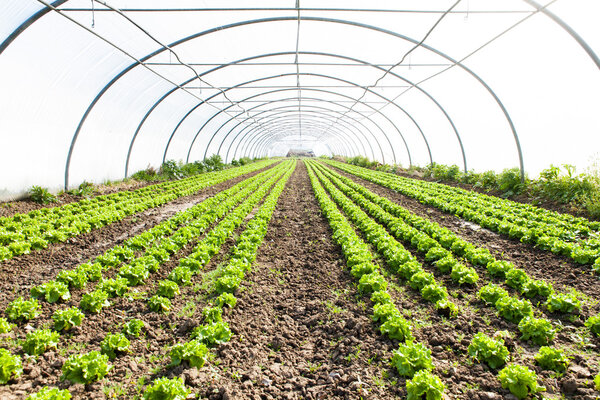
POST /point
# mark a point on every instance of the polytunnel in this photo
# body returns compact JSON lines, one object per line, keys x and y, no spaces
{"x":96,"y":90}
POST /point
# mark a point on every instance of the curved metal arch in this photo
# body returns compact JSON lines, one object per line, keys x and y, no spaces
{"x":284,"y":126}
{"x":303,"y":106}
{"x":291,"y":125}
{"x":279,"y":19}
{"x":334,"y":55}
{"x":355,"y":85}
{"x":311,"y":119}
{"x":255,"y":130}
{"x":315,"y":90}
{"x":321,"y":110}
{"x":268,"y":141}
{"x":295,"y":74}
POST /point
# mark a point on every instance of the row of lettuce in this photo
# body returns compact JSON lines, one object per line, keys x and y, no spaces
{"x":135,"y":260}
{"x":35,"y":230}
{"x":574,"y":237}
{"x":426,"y":237}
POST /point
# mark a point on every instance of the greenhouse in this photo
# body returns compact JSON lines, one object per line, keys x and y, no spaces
{"x":300,"y":199}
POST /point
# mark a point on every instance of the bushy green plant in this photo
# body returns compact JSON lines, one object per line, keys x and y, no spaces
{"x":19,"y":248}
{"x":73,"y":278}
{"x":225,"y":299}
{"x":421,"y":279}
{"x":552,"y":359}
{"x":50,"y":393}
{"x":509,"y":182}
{"x":500,"y":268}
{"x":93,"y":271}
{"x":52,"y":291}
{"x":41,"y":195}
{"x":381,"y":297}
{"x":227,"y":284}
{"x":114,"y":343}
{"x":85,"y":368}
{"x":24,"y":310}
{"x":67,"y":319}
{"x":372,"y":282}
{"x":133,"y":327}
{"x":492,"y":293}
{"x":513,"y":309}
{"x":426,"y":385}
{"x":114,"y":287}
{"x":516,"y":278}
{"x":593,"y":324}
{"x":536,"y":287}
{"x":520,"y":380}
{"x":181,"y":276}
{"x":445,"y":265}
{"x":597,"y":382}
{"x":39,"y":341}
{"x":94,"y":301}
{"x":168,"y":289}
{"x":213,"y":333}
{"x":159,"y":304}
{"x":135,"y":274}
{"x":486,"y":349}
{"x":5,"y":326}
{"x":538,"y":330}
{"x":396,"y":327}
{"x":167,"y":389}
{"x":447,"y":308}
{"x":563,"y":303}
{"x":434,"y":292}
{"x":10,"y":366}
{"x":84,"y":189}
{"x":436,"y":253}
{"x":194,"y":352}
{"x":383,"y":311}
{"x":212,"y":314}
{"x":410,"y":358}
{"x":462,"y":274}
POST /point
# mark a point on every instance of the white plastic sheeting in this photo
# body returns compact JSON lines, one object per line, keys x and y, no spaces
{"x":94,"y":94}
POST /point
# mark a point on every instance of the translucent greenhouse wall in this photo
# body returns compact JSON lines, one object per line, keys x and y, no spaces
{"x":96,"y":95}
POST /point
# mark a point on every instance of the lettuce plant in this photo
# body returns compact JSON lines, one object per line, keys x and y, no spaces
{"x":39,"y":341}
{"x":513,"y":309}
{"x":593,"y":324}
{"x":52,"y":291}
{"x":492,"y":293}
{"x":93,"y":271}
{"x":227,"y":284}
{"x":168,"y":289}
{"x":424,"y":384}
{"x":538,"y":330}
{"x":5,"y":326}
{"x":396,"y":327}
{"x":446,"y":264}
{"x":194,"y":352}
{"x":520,"y":380}
{"x":94,"y":301}
{"x":552,"y":359}
{"x":421,"y":279}
{"x":167,"y":389}
{"x":86,"y":368}
{"x":133,"y":327}
{"x":10,"y":366}
{"x":225,"y":299}
{"x":67,"y":319}
{"x":20,"y":309}
{"x":115,"y":287}
{"x":181,"y":276}
{"x":516,"y":278}
{"x":372,"y":282}
{"x":486,"y":349}
{"x":159,"y":304}
{"x":114,"y":343}
{"x":382,"y":312}
{"x":50,"y":393}
{"x":500,"y":268}
{"x":213,"y":333}
{"x":212,"y":314}
{"x":563,"y":303}
{"x":73,"y":278}
{"x":410,"y":358}
{"x":434,"y":292}
{"x":135,"y":274}
{"x":462,"y":274}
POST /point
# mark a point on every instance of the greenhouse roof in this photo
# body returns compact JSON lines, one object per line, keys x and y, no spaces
{"x":96,"y":90}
